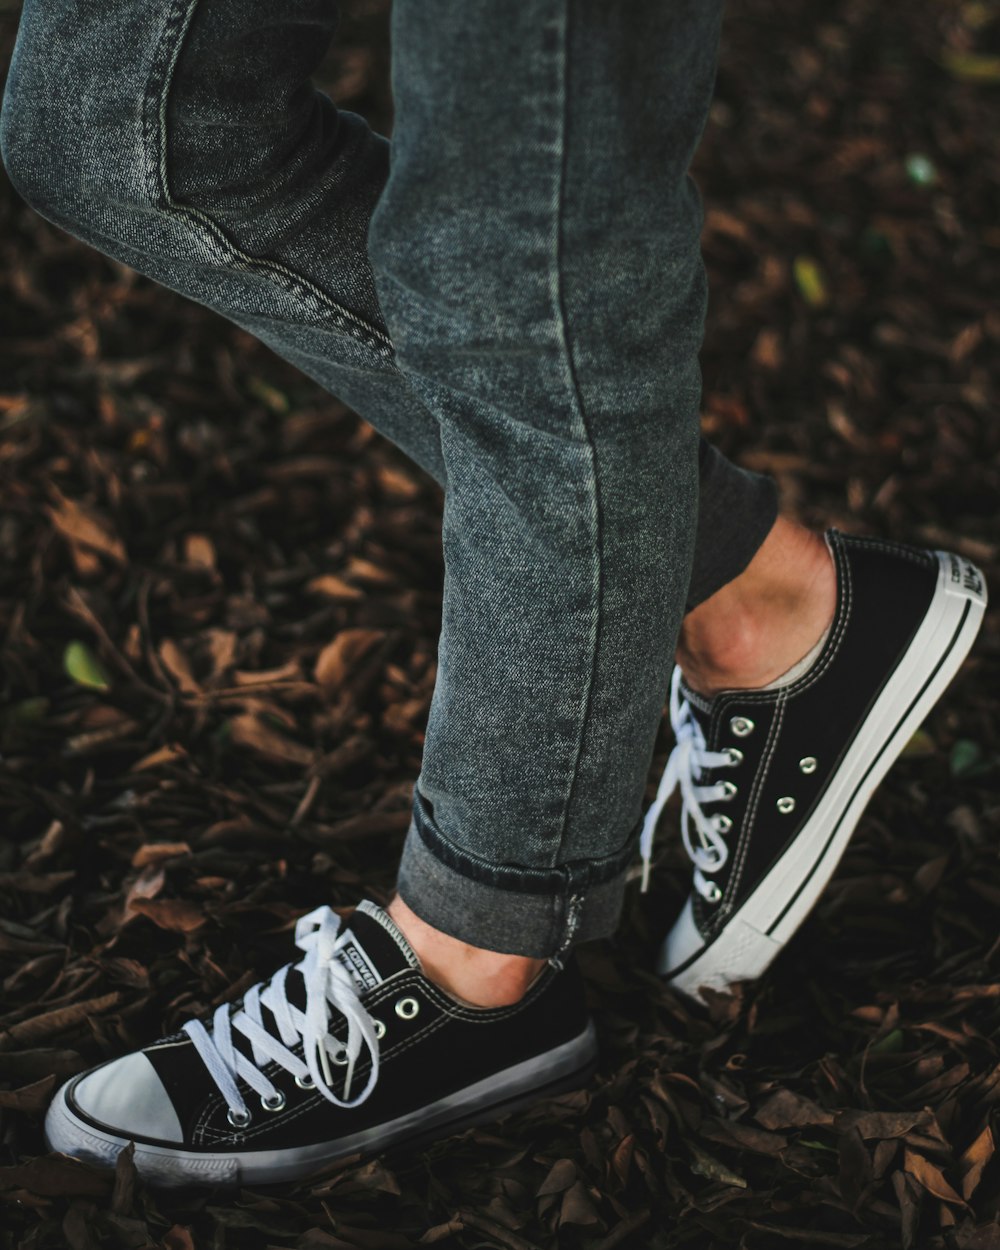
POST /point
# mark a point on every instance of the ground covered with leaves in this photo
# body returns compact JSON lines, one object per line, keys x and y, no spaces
{"x":219,"y":600}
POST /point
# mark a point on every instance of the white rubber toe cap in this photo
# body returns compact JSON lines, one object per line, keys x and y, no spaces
{"x":128,"y":1097}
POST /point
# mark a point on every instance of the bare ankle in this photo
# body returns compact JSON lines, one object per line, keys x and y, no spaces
{"x":481,"y":977}
{"x":760,"y":624}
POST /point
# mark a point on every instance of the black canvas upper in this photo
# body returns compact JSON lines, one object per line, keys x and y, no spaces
{"x":443,"y":1049}
{"x":884,"y":590}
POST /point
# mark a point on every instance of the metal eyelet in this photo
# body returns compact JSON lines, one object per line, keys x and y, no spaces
{"x":340,"y":1056}
{"x":379,"y":1028}
{"x":722,"y":823}
{"x":742,"y":726}
{"x":808,"y":764}
{"x":786,"y":805}
{"x":238,"y":1119}
{"x":305,"y":1082}
{"x":277,"y":1103}
{"x":407,"y":1008}
{"x":714,"y":893}
{"x":729,"y":789}
{"x":735,"y":755}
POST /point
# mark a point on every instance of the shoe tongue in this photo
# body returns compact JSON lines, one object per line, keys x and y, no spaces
{"x":375,"y":949}
{"x":701,"y":705}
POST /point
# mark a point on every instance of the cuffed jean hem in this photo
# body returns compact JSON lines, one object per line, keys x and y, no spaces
{"x":539,"y":913}
{"x":737,"y":510}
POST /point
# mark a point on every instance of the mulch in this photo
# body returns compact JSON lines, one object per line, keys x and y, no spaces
{"x":220,"y":593}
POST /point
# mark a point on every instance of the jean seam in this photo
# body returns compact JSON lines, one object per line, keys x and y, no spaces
{"x":562,"y":325}
{"x":201,"y":225}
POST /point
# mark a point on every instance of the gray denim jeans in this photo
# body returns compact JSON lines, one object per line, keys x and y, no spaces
{"x":513,"y":294}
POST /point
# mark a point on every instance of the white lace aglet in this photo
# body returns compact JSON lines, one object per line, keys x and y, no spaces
{"x":644,"y":883}
{"x":324,"y":1063}
{"x":347,"y":1080}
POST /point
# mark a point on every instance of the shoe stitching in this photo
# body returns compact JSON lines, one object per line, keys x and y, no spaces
{"x":216,"y":1102}
{"x":746,"y":833}
{"x":272,"y":1069}
{"x":808,"y":679}
{"x":839,"y":547}
{"x":722,"y":705}
{"x":890,"y":547}
{"x":313,"y":1101}
{"x":840,"y":542}
{"x":830,"y":653}
{"x":389,"y":989}
{"x":449,"y":1006}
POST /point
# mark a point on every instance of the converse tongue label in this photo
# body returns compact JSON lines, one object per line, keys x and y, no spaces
{"x":358,"y":963}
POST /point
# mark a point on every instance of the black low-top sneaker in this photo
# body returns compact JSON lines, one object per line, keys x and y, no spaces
{"x":352,"y":1049}
{"x":773,"y":781}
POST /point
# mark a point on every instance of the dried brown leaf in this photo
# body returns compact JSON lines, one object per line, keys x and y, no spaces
{"x":175,"y":914}
{"x":57,"y":1020}
{"x":178,"y":1238}
{"x":163,"y":755}
{"x":199,"y":550}
{"x":250,"y":731}
{"x":58,"y":1176}
{"x":147,"y":884}
{"x":32,"y":1099}
{"x":561,"y":1175}
{"x":337,"y":660}
{"x":178,"y":666}
{"x":930,"y":1177}
{"x":974,"y":1160}
{"x":578,"y":1207}
{"x":87,"y":529}
{"x":331,"y":587}
{"x":155,"y":852}
{"x":880,"y":1124}
{"x":785,"y":1109}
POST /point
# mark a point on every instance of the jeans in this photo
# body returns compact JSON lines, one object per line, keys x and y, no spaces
{"x":516,"y":299}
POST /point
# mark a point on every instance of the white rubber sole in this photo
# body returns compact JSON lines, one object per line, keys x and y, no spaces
{"x":774,"y":911}
{"x":567,"y":1067}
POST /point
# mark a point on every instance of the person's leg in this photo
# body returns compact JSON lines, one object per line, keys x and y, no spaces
{"x":186,"y":140}
{"x":565,"y":399}
{"x":536,"y":255}
{"x":760,"y":623}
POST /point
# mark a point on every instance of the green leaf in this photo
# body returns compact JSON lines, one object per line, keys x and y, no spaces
{"x":965,"y":756}
{"x":268,"y":395}
{"x":968,"y":760}
{"x":920,"y":746}
{"x":920,"y":169}
{"x":876,"y":244}
{"x":29,"y":711}
{"x":891,"y":1044}
{"x":810,"y":281}
{"x":972,"y":66}
{"x":84,"y":667}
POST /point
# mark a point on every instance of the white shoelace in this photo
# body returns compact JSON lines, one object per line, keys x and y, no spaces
{"x":684,"y":768}
{"x":327,"y":983}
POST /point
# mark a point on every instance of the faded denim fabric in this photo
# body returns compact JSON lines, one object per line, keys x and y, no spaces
{"x":516,"y":300}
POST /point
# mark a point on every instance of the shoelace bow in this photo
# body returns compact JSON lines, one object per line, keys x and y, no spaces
{"x":327,"y":983}
{"x":689,"y":758}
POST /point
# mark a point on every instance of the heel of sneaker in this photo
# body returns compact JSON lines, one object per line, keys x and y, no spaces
{"x":962,"y":579}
